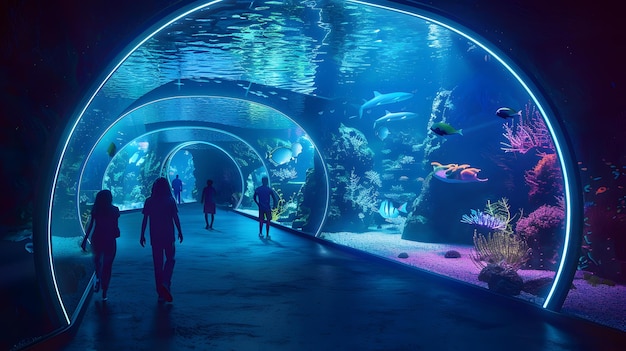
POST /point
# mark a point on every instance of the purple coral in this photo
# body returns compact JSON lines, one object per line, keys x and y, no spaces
{"x":481,"y":219}
{"x":529,"y":132}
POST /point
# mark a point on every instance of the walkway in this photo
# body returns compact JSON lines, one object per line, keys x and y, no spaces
{"x":233,"y":291}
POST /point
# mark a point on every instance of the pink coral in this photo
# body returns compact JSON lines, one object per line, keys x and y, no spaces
{"x":542,"y":230}
{"x":529,"y":132}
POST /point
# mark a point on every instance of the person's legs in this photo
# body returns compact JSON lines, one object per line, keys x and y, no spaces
{"x":107,"y":267}
{"x":97,"y":263}
{"x":212,"y":220}
{"x":206,"y":220}
{"x":168,"y":267}
{"x":157,"y":258}
{"x":261,"y":217}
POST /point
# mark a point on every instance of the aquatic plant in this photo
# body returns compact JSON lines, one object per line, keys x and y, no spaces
{"x":280,"y":208}
{"x":374,"y":178}
{"x":496,"y":216}
{"x":506,"y":250}
{"x":360,"y":195}
{"x":529,"y":132}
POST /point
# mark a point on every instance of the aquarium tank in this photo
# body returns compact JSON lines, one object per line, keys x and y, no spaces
{"x":382,"y":128}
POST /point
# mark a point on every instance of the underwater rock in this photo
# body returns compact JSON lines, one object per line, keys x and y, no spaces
{"x":452,"y":254}
{"x":500,"y":280}
{"x":538,"y":287}
{"x":403,"y":255}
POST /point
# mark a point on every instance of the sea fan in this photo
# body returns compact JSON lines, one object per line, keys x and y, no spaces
{"x":481,"y":219}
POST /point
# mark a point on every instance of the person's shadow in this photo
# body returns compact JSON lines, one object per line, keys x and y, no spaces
{"x":163,"y":331}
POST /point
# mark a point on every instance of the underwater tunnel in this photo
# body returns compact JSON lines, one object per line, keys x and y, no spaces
{"x":377,"y":123}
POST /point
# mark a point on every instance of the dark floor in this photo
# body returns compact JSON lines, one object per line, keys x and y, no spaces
{"x":233,"y":291}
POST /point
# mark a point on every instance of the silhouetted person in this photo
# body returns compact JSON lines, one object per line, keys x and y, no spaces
{"x":208,"y":199}
{"x":262,"y":197}
{"x":104,"y":222}
{"x":177,"y":186}
{"x":160,"y":208}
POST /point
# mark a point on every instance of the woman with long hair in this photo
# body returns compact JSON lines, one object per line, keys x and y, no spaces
{"x":161,"y":211}
{"x":104,"y":222}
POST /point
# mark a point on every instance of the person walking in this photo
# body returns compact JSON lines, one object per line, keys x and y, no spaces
{"x":104,"y":222}
{"x":177,"y":186}
{"x":261,"y":197}
{"x":208,"y":199}
{"x":161,"y":211}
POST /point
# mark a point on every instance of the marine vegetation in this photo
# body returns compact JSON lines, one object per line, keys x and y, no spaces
{"x":280,"y":208}
{"x":506,"y":250}
{"x":360,"y":195}
{"x":542,"y":230}
{"x":544,"y":179}
{"x":496,"y":216}
{"x":529,"y":132}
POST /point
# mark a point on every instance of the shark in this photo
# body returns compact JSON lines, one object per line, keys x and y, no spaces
{"x":394,"y":116}
{"x":383,"y":99}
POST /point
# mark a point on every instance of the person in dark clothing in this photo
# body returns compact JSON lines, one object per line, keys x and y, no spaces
{"x":161,"y":211}
{"x":177,"y":186}
{"x":262,"y":197}
{"x":208,"y":199}
{"x":104,"y":222}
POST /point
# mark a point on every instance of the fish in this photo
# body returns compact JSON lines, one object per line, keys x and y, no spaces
{"x":280,"y":156}
{"x":383,"y":99}
{"x":140,"y":162}
{"x":134,"y":158}
{"x":442,"y":129}
{"x":388,"y":210}
{"x":296,"y":149}
{"x":394,"y":116}
{"x":601,"y":190}
{"x":505,"y":112}
{"x":112,"y":150}
{"x":382,"y":133}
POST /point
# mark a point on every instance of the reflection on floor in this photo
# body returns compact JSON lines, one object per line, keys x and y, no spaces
{"x":234,"y":291}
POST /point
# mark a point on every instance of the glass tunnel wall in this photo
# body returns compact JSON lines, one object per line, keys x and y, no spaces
{"x":380,"y":130}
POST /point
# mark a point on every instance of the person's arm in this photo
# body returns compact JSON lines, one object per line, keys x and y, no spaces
{"x":87,"y":232}
{"x":177,"y":223}
{"x":256,"y":198}
{"x":144,"y":223}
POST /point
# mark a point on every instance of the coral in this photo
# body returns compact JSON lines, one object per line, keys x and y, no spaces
{"x":280,"y":208}
{"x":542,"y":230}
{"x":374,"y":178}
{"x":480,"y":219}
{"x":359,"y":195}
{"x":508,"y":251}
{"x":529,"y":132}
{"x":405,"y":160}
{"x":284,"y":173}
{"x":545,"y":178}
{"x":497,"y":216}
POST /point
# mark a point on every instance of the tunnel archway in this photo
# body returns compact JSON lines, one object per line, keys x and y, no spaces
{"x":351,"y":94}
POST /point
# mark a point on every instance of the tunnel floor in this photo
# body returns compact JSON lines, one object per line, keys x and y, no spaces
{"x":234,"y":291}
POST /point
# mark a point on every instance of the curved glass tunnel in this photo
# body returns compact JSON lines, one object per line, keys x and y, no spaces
{"x":376,"y":126}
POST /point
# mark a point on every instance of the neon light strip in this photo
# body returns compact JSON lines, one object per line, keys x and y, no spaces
{"x":172,"y":152}
{"x":566,"y":176}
